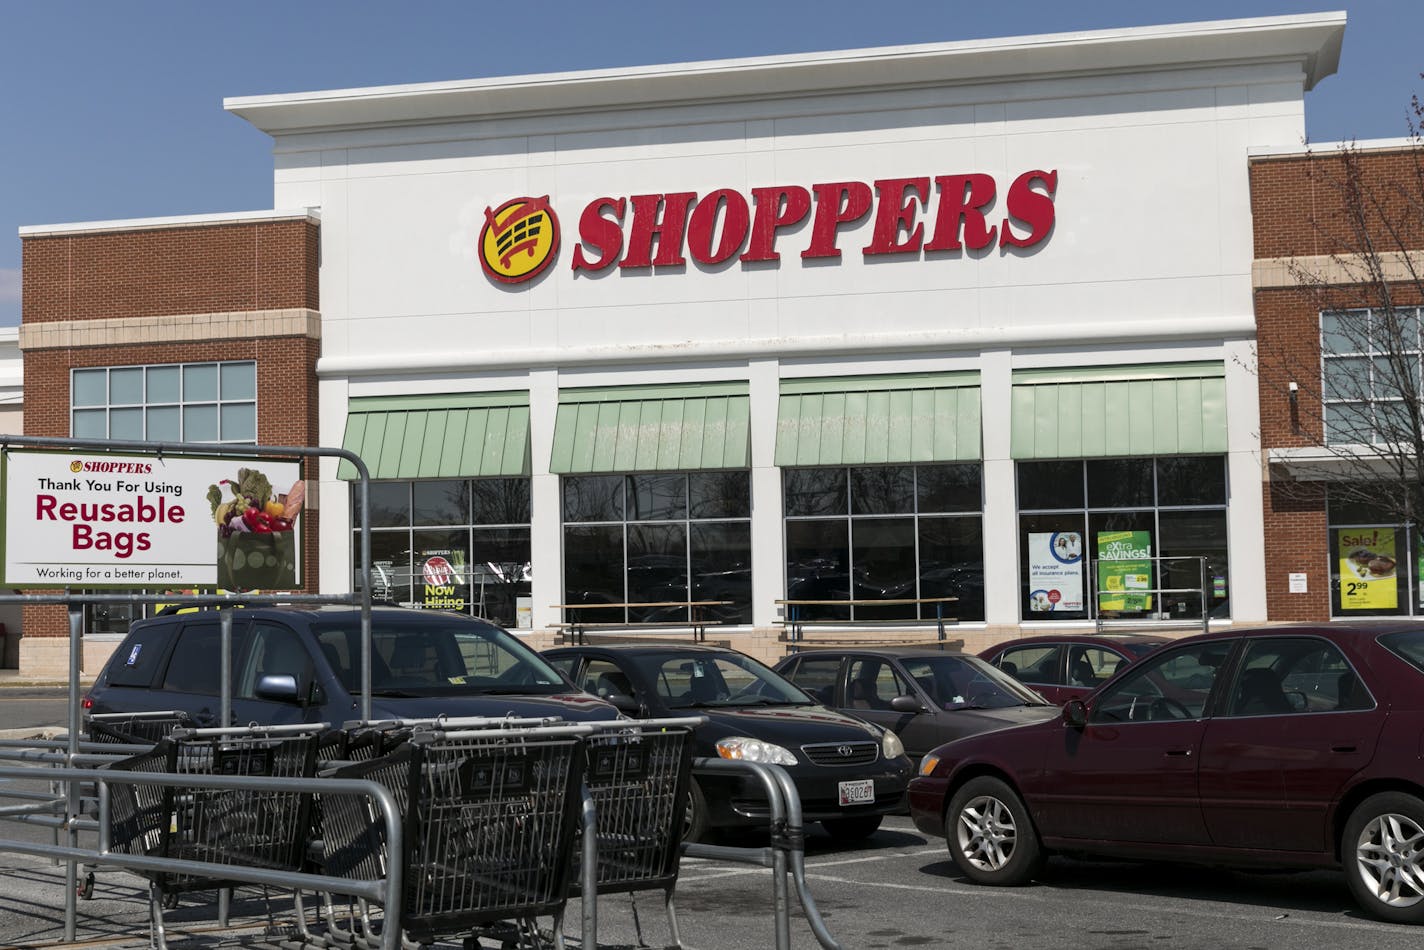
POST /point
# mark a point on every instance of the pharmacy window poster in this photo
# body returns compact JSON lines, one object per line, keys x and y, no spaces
{"x":1055,"y":571}
{"x":1367,"y":569}
{"x":1124,"y":566}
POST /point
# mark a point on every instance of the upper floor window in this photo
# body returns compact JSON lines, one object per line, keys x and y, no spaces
{"x":173,"y":402}
{"x":1370,"y":369}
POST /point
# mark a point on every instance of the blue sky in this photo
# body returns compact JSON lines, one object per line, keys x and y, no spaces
{"x":114,"y":109}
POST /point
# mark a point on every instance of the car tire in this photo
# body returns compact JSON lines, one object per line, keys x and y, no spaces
{"x":694,"y":820}
{"x":852,"y":829}
{"x":991,"y":837}
{"x":1383,"y":856}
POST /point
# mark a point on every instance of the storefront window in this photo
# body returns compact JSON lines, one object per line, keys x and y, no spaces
{"x":658,"y":538}
{"x":1372,"y":572}
{"x":1145,"y":522}
{"x":451,"y":544}
{"x":885,"y":532}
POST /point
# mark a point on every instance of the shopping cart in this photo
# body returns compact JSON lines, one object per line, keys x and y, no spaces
{"x":637,"y":775}
{"x":136,"y":728}
{"x":491,"y":817}
{"x":242,"y":827}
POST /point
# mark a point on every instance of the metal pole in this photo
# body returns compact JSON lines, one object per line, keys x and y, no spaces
{"x":225,"y":703}
{"x":588,"y":881}
{"x":364,"y":506}
{"x":71,"y":869}
{"x":1206,"y":612}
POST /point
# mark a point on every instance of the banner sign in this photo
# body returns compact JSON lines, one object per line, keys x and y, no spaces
{"x":88,"y":519}
{"x":1055,"y":571}
{"x":1124,"y":565}
{"x":1367,"y":569}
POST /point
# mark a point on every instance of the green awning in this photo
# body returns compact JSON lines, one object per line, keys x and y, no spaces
{"x":1092,"y":412}
{"x":465,"y":435}
{"x":866,"y":420}
{"x":652,"y":429}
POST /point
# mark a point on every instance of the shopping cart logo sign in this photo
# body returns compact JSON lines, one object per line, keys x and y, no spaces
{"x":625,"y":763}
{"x":489,"y":778}
{"x":243,"y":762}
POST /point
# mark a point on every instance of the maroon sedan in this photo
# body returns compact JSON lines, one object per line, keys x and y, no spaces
{"x":1069,"y":665}
{"x":1283,"y":747}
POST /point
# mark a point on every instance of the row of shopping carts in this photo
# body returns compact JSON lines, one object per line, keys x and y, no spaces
{"x":502,"y":820}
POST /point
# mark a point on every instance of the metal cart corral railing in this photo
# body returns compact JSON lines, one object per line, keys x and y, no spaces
{"x":1153,"y":617}
{"x":696,"y":619}
{"x":800,"y":614}
{"x":378,"y":798}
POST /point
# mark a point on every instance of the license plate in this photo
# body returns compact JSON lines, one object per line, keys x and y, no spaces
{"x":860,"y":792}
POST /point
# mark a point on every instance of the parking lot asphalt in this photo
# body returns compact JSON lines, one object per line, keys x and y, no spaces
{"x":896,"y":890}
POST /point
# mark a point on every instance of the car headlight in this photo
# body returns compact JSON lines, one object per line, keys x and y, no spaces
{"x":890,"y":745}
{"x":748,"y":749}
{"x":928,"y":763}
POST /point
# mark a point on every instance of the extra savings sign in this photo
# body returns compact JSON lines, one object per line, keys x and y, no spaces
{"x":77,"y":519}
{"x":946,"y":213}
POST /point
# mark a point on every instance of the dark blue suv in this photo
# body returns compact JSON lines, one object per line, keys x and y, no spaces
{"x":297,"y":664}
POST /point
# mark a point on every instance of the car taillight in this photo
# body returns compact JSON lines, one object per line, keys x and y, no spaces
{"x":87,"y":702}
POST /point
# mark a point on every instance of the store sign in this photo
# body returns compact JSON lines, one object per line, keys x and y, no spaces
{"x":943,"y":213}
{"x":99,"y":520}
{"x":1055,"y":572}
{"x":1124,"y":566}
{"x":1368,"y":576}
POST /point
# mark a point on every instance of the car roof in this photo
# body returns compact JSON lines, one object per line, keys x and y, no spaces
{"x":888,"y":652}
{"x":1103,"y":638}
{"x":640,"y":649}
{"x":311,"y":612}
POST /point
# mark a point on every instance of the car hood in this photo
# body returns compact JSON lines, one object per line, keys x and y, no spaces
{"x":795,"y":725}
{"x":970,"y":722}
{"x":569,"y":706}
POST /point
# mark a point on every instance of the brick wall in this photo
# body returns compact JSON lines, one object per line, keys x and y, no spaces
{"x":1302,"y":204}
{"x":189,"y":271}
{"x":1301,"y":207}
{"x":268,"y":265}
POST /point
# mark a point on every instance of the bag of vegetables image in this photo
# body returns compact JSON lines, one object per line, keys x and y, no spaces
{"x":257,"y":546}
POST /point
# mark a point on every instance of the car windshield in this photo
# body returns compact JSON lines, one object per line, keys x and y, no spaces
{"x":436,"y":656}
{"x":967,"y":682}
{"x":704,"y":679}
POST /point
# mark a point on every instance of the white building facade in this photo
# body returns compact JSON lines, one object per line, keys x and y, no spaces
{"x":967,"y":319}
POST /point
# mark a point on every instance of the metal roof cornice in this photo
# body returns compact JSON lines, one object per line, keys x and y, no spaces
{"x":1311,"y":40}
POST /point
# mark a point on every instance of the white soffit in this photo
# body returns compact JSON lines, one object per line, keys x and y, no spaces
{"x":1311,"y":40}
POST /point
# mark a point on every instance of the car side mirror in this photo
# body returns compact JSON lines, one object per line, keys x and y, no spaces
{"x":624,"y":704}
{"x":1075,"y":713}
{"x":279,"y":688}
{"x":906,"y":704}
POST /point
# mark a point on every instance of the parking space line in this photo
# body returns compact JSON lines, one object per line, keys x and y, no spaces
{"x":1020,"y":894}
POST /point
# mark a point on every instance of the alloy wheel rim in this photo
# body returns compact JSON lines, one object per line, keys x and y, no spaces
{"x":1390,"y":859}
{"x":986,"y":833}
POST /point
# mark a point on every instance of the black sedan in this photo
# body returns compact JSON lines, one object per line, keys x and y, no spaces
{"x":848,"y":773}
{"x":925,"y":695}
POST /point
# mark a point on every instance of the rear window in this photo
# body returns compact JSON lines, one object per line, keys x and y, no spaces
{"x":138,"y":659}
{"x":1408,"y":645}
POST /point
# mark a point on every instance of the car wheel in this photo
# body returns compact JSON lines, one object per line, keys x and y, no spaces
{"x":991,"y":837}
{"x":852,"y":829}
{"x":1383,"y":854}
{"x":694,"y":819}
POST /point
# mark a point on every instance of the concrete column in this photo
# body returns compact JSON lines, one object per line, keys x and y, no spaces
{"x":546,"y":526}
{"x":768,"y":550}
{"x":1001,"y":531}
{"x":1245,"y":494}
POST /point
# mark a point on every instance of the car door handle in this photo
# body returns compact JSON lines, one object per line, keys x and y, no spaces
{"x":1343,"y":749}
{"x":1179,"y":752}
